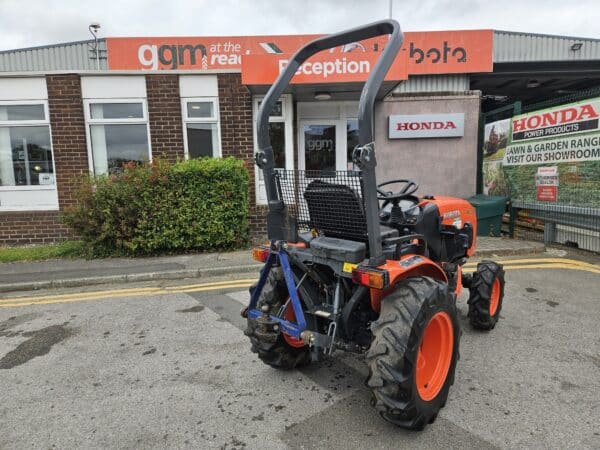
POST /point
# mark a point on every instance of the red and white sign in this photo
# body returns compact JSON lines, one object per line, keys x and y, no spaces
{"x":546,"y":181}
{"x":426,"y":126}
{"x":321,"y":68}
{"x":575,"y":118}
{"x":547,"y":193}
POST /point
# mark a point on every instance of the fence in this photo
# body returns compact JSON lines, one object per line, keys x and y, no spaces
{"x":560,"y":205}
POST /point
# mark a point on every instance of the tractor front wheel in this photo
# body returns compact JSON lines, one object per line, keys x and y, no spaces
{"x":486,"y":293}
{"x":413,"y":355}
{"x":276,"y":349}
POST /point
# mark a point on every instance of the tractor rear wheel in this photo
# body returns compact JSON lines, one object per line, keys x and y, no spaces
{"x":276,"y":349}
{"x":486,"y":293}
{"x":413,"y":355}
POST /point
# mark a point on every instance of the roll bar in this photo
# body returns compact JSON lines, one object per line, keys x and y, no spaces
{"x":365,"y":156}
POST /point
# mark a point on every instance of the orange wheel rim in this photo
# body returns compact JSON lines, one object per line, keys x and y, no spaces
{"x":291,"y":317}
{"x":434,"y":356}
{"x":495,"y":297}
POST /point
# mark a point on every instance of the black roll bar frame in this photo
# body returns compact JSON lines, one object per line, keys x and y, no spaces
{"x":364,"y":153}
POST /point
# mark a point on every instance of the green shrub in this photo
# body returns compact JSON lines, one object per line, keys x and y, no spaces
{"x":200,"y":204}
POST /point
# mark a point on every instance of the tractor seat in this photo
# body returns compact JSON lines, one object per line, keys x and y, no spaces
{"x":337,"y":211}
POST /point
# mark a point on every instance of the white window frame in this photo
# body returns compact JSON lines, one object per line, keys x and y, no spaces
{"x":31,"y":123}
{"x":125,"y":121}
{"x":287,"y":117}
{"x":217,"y":152}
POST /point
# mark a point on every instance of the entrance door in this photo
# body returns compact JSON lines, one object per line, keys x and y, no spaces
{"x":327,"y":135}
{"x":327,"y":145}
{"x":318,"y":145}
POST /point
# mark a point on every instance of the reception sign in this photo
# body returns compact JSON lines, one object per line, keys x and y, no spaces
{"x":321,"y":68}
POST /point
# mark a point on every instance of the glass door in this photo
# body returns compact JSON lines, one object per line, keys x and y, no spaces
{"x":327,"y":145}
{"x":318,"y":145}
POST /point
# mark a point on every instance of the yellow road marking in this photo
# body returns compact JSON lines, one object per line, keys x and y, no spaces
{"x":117,"y":295}
{"x":540,"y":260}
{"x":552,"y":266}
{"x":516,"y":264}
{"x":42,"y":300}
{"x":132,"y":291}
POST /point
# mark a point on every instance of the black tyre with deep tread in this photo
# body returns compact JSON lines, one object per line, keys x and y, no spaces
{"x":392,"y":357}
{"x":479,"y":295}
{"x":273,"y":349}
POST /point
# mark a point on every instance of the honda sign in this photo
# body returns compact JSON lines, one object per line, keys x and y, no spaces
{"x":427,"y":126}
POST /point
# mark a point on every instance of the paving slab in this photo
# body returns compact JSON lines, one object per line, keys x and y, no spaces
{"x":498,"y":246}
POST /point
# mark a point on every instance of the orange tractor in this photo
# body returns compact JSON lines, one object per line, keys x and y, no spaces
{"x":366,"y":268}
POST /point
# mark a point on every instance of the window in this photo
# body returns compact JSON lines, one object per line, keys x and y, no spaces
{"x":281,"y":135}
{"x":277,"y":133}
{"x":25,"y":146}
{"x":201,"y":123}
{"x":117,"y":133}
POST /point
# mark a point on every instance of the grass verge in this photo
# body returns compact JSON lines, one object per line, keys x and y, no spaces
{"x":66,"y":249}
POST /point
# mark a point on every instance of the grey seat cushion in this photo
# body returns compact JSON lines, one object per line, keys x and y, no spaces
{"x":338,"y":249}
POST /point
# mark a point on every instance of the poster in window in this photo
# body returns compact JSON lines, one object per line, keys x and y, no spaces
{"x":494,"y":144}
{"x":495,"y":138}
{"x":45,"y":179}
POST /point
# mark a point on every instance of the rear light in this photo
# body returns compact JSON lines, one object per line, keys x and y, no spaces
{"x":260,"y":254}
{"x":371,"y":277}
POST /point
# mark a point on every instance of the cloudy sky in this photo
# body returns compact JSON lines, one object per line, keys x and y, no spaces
{"x":25,"y":23}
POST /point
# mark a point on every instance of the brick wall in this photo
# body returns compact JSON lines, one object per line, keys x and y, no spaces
{"x":31,"y":227}
{"x":164,"y":110}
{"x":68,"y":134}
{"x":235,"y":104}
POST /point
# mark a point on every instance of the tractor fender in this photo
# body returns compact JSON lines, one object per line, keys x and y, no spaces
{"x":408,"y":266}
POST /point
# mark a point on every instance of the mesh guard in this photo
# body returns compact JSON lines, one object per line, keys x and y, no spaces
{"x":330,"y":202}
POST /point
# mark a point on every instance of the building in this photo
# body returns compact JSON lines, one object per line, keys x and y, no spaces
{"x":87,"y":107}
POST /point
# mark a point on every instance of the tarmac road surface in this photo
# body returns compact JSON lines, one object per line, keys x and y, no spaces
{"x":151,"y":366}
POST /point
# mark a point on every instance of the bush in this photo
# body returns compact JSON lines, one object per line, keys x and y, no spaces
{"x":200,"y":204}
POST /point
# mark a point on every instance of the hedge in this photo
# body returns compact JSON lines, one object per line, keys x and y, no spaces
{"x":200,"y":204}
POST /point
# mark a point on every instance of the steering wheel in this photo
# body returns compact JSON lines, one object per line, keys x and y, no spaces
{"x":409,"y":187}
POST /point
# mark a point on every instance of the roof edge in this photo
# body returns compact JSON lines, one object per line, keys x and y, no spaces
{"x":557,"y":36}
{"x":60,"y":44}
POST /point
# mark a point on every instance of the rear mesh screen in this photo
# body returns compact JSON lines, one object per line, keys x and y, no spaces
{"x":330,"y":202}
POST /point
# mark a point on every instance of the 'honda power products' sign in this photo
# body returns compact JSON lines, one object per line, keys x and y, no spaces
{"x":565,"y":133}
{"x":427,"y":126}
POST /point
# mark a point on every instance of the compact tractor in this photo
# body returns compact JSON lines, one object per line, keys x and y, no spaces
{"x":360,"y":267}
